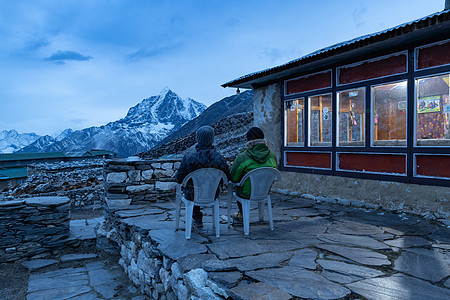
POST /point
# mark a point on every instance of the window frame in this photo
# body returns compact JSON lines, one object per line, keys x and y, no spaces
{"x":416,"y":79}
{"x":364,"y":133}
{"x":372,"y":115}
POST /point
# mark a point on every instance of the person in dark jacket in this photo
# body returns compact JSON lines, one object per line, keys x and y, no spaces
{"x":255,"y":155}
{"x":204,"y":157}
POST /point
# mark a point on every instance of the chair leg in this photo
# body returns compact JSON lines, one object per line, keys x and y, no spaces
{"x":269,"y":208}
{"x":246,"y":216}
{"x":230,"y":198}
{"x":189,"y":210}
{"x":177,"y":215}
{"x":216,"y":217}
{"x":261,"y":211}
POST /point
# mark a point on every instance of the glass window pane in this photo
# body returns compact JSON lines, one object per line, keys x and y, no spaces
{"x":433,"y":111}
{"x":320,"y":120}
{"x":389,"y":114}
{"x":351,"y":117}
{"x":294,"y":122}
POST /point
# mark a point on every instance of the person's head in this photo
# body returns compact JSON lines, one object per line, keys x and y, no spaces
{"x":205,"y":136}
{"x":255,"y":133}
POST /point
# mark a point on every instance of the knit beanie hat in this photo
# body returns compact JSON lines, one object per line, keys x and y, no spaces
{"x":255,"y":133}
{"x":205,"y":136}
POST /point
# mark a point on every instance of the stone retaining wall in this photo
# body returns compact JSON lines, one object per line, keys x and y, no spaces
{"x":158,"y":272}
{"x":33,"y":226}
{"x":140,"y":181}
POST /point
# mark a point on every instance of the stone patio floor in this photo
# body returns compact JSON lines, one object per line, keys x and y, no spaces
{"x":91,"y":275}
{"x":316,"y":251}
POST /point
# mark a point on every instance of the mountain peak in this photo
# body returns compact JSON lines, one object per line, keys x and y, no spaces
{"x":164,"y":92}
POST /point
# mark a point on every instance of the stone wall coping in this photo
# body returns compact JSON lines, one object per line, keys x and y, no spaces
{"x":47,"y":201}
{"x":11,"y":203}
{"x":140,"y":162}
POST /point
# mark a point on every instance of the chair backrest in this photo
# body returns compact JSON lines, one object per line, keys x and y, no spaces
{"x":261,"y":181}
{"x":206,"y":181}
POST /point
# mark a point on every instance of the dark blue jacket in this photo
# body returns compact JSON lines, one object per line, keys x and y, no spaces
{"x":204,"y":157}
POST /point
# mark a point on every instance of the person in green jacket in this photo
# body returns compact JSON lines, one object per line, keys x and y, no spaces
{"x":256,"y":155}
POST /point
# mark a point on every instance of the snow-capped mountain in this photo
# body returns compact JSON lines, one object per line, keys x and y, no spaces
{"x":144,"y":125}
{"x":65,"y":133}
{"x":11,"y":140}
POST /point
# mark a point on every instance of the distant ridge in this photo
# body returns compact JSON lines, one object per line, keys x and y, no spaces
{"x":143,"y":127}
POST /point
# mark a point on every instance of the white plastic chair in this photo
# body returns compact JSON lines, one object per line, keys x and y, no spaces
{"x":261,"y":181}
{"x":205,"y":182}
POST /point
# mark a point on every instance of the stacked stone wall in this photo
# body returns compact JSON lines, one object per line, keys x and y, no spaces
{"x":33,"y":226}
{"x":140,"y":181}
{"x":81,"y":181}
{"x":157,"y":273}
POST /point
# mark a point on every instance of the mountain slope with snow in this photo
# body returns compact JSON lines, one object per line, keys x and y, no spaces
{"x":11,"y":140}
{"x":144,"y":126}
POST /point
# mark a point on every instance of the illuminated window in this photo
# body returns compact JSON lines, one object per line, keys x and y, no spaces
{"x":433,"y":111}
{"x":389,"y":106}
{"x":320,"y":120}
{"x":351,"y":118}
{"x":294,"y":122}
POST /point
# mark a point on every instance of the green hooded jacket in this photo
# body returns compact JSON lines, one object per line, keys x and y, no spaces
{"x":256,"y":157}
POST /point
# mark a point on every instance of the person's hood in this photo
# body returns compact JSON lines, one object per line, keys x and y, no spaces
{"x":259,"y":152}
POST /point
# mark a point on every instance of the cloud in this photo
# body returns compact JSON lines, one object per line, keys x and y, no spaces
{"x":34,"y":45}
{"x":359,"y":16}
{"x":60,"y":56}
{"x":232,"y":22}
{"x":78,"y":121}
{"x":148,"y":52}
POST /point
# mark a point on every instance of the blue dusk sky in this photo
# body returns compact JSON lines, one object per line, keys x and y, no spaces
{"x":76,"y":64}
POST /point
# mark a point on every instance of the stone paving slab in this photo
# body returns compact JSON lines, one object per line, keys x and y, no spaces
{"x":173,"y":243}
{"x":236,"y":247}
{"x":227,"y":279}
{"x":300,"y":283}
{"x":279,"y":245}
{"x":47,"y":201}
{"x":259,"y":291}
{"x":398,"y":287}
{"x":353,"y":240}
{"x":342,"y":272}
{"x":36,"y":264}
{"x":42,"y":282}
{"x":139,"y":212}
{"x":304,"y":258}
{"x":409,"y":241}
{"x":84,"y":229}
{"x":77,"y":256}
{"x":59,"y":293}
{"x":433,"y":265}
{"x":302,"y":212}
{"x":265,"y":260}
{"x":359,"y":255}
{"x":355,"y":228}
{"x":144,"y":222}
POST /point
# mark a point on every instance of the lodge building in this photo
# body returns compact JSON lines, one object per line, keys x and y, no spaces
{"x":367,"y":118}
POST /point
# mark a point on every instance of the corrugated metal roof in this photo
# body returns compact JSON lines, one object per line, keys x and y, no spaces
{"x":11,"y":173}
{"x":365,"y":40}
{"x":101,"y":152}
{"x":28,"y":156}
